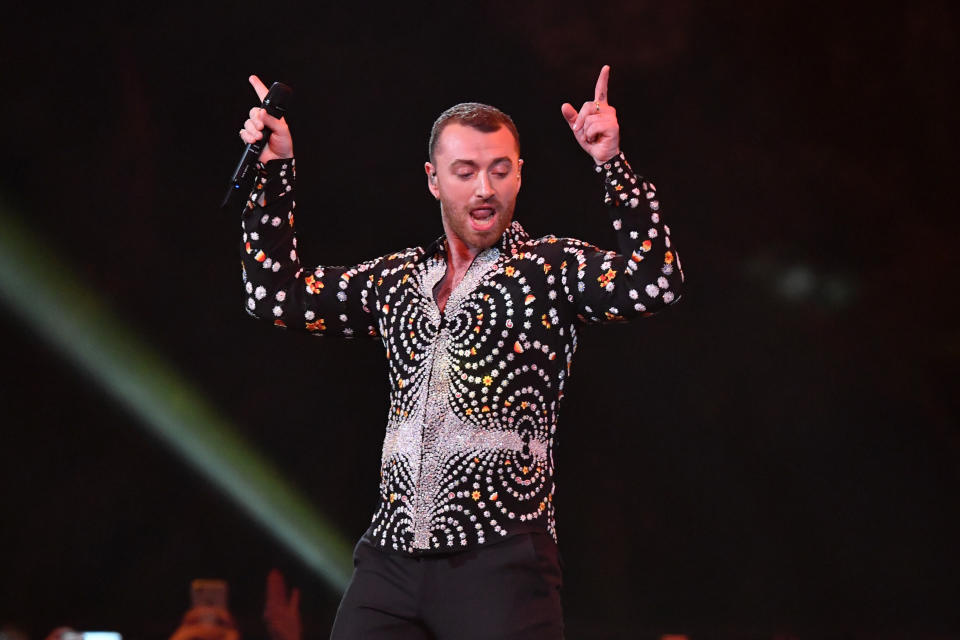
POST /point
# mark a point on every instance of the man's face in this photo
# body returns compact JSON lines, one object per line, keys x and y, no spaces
{"x":476,"y":177}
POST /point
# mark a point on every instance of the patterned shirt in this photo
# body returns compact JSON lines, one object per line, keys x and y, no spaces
{"x":475,"y":389}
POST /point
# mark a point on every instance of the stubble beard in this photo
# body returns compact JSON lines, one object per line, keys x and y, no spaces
{"x":460,"y":223}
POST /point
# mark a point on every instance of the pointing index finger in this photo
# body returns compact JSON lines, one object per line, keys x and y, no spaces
{"x":600,"y":92}
{"x":258,"y":86}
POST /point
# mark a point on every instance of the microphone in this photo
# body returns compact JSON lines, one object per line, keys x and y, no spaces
{"x":275,"y":104}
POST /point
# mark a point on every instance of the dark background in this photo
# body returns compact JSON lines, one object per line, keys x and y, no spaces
{"x":777,"y":453}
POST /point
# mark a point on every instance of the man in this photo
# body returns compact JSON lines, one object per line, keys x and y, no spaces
{"x":479,"y":328}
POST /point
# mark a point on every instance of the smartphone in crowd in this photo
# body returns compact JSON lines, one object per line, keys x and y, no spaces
{"x":208,"y":593}
{"x":91,"y":635}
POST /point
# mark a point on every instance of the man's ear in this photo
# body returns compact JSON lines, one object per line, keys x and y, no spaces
{"x":519,"y":167}
{"x":432,"y":185}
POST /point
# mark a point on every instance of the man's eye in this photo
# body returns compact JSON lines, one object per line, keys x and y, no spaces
{"x":500,"y":174}
{"x":465,"y":174}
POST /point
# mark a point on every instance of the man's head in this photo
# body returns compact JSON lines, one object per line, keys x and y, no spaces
{"x":474,"y":171}
{"x":481,"y":117}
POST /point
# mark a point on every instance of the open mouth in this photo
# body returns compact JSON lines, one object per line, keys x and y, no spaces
{"x":482,"y":217}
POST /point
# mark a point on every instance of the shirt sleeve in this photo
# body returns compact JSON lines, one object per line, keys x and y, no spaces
{"x":645,"y":275}
{"x":324,"y":300}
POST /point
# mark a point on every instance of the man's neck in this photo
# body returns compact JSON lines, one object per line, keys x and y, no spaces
{"x":460,"y":256}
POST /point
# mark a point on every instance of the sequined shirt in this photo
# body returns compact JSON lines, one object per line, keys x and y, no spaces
{"x":475,"y":389}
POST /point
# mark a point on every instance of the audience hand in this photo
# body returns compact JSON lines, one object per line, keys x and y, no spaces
{"x":282,"y":613}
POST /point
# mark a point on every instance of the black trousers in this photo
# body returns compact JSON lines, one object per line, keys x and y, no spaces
{"x":508,"y":590}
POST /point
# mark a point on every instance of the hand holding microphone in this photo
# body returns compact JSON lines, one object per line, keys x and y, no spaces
{"x":265,"y":132}
{"x":279,"y":142}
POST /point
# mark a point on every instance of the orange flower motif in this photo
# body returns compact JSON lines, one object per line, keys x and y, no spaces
{"x":530,"y":298}
{"x":545,"y":321}
{"x":247,"y":247}
{"x":260,"y":257}
{"x":668,"y":257}
{"x":494,"y":496}
{"x":469,"y":412}
{"x":313,"y":285}
{"x":546,"y":267}
{"x":485,"y":409}
{"x":607,"y":277}
{"x":517,"y":348}
{"x":646,"y":245}
{"x":279,"y":323}
{"x":475,"y":495}
{"x":386,"y":308}
{"x":509,"y":271}
{"x":487,"y":381}
{"x":316,"y":325}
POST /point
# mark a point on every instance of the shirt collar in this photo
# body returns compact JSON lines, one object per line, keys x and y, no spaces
{"x":509,"y":242}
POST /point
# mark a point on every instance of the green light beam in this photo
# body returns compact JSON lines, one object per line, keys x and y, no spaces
{"x":71,"y":317}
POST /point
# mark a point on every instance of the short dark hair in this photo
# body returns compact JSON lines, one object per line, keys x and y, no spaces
{"x":480,"y":116}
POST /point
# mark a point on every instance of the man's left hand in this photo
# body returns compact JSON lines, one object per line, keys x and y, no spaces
{"x":595,"y":126}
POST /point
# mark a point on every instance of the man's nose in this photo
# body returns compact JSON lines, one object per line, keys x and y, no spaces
{"x":483,"y":187}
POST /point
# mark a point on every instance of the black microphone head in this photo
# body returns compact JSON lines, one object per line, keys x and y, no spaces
{"x":277,"y":99}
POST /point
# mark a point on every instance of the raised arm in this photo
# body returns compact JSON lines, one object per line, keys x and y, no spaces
{"x":644,"y":275}
{"x":324,"y":300}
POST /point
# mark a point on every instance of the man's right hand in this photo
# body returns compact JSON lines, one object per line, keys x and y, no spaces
{"x":280,"y":144}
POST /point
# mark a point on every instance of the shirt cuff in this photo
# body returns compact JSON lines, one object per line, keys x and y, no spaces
{"x":621,"y":185}
{"x":275,"y":179}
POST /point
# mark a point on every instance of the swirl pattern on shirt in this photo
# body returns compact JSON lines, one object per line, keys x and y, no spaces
{"x":475,"y":389}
